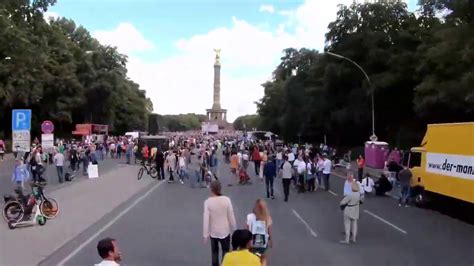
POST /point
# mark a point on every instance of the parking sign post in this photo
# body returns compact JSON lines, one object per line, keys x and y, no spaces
{"x":21,"y":126}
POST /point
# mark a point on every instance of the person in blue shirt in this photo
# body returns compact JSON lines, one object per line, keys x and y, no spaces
{"x":20,"y":174}
{"x":269,"y":172}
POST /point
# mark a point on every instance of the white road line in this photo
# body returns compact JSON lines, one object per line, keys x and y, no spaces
{"x":385,"y":221}
{"x":311,"y":231}
{"x":333,"y":193}
{"x":122,"y":213}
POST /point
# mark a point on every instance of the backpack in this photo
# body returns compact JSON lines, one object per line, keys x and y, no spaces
{"x":259,"y":233}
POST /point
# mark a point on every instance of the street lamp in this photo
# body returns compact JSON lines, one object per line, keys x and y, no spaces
{"x":373,"y":137}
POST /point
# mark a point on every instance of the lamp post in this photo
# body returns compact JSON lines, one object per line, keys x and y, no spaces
{"x":373,"y":137}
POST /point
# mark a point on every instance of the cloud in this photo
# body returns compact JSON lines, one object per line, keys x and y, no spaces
{"x":267,"y":8}
{"x":126,"y":37}
{"x":183,"y":82}
{"x":50,"y":15}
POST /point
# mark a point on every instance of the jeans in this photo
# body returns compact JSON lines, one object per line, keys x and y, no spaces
{"x":319,"y":175}
{"x":257,"y":167}
{"x":278,"y":163}
{"x":60,"y":170}
{"x":326,"y":181}
{"x":269,"y":184}
{"x":128,"y":156}
{"x":311,"y":185}
{"x":286,"y":187}
{"x":404,"y":194}
{"x":161,"y":171}
{"x":301,"y":182}
{"x":225,"y":246}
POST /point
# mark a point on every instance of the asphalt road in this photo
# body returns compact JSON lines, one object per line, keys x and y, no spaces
{"x":162,"y":225}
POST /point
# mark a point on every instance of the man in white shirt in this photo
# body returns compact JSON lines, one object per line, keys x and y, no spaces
{"x":368,"y":184}
{"x":327,"y":167}
{"x":109,"y":252}
{"x":300,"y":166}
{"x":286,"y":175}
{"x":59,"y":162}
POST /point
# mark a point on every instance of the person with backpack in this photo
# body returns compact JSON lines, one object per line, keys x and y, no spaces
{"x":259,"y":223}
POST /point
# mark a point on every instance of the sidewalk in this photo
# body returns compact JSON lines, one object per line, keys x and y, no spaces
{"x":374,"y":174}
{"x":80,"y":205}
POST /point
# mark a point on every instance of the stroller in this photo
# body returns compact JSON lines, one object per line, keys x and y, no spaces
{"x":244,"y":177}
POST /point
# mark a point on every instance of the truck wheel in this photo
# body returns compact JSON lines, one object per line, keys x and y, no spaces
{"x":421,"y":199}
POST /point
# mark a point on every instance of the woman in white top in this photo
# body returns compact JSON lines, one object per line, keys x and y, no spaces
{"x":219,"y":222}
{"x":259,"y":222}
{"x":182,"y":167}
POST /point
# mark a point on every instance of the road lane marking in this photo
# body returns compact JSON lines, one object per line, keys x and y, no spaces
{"x":122,"y":213}
{"x":311,"y":231}
{"x":333,"y":193}
{"x":385,"y":221}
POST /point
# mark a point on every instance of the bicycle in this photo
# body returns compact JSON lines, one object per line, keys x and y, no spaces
{"x":149,"y":168}
{"x":15,"y":208}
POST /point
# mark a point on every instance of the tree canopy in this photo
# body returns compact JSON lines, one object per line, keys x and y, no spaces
{"x":420,"y":67}
{"x":62,"y":73}
{"x":247,"y":122}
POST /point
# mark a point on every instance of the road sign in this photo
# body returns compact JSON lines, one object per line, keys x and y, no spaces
{"x":21,"y":119}
{"x":47,"y":127}
{"x":21,"y":141}
{"x":47,"y":141}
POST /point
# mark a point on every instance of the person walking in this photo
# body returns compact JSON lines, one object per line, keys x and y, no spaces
{"x":241,"y":256}
{"x":286,"y":175}
{"x":129,"y":152}
{"x":181,"y":168}
{"x":213,"y":162}
{"x":160,"y":164}
{"x":256,"y":160}
{"x":350,"y":206}
{"x":259,"y":222}
{"x":405,"y":177}
{"x":300,"y":166}
{"x":360,"y":167}
{"x":20,"y":174}
{"x":311,"y":174}
{"x":218,"y":221}
{"x":269,"y":172}
{"x":327,"y":168}
{"x":234,"y":166}
{"x":59,"y":162}
{"x":171,"y":165}
{"x":264,"y":157}
{"x":2,"y":149}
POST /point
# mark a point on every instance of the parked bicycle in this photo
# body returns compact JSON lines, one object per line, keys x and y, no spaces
{"x":150,"y":169}
{"x":15,"y":208}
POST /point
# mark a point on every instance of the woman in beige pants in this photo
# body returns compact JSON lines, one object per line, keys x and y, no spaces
{"x":351,"y":203}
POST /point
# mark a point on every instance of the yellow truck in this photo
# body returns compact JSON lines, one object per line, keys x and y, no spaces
{"x":444,"y":163}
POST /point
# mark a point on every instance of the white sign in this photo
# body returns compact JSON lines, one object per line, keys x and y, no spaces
{"x":47,"y":141}
{"x":21,"y":141}
{"x":93,"y":171}
{"x":209,"y":128}
{"x":461,"y":166}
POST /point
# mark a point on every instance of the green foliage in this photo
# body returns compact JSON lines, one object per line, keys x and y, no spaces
{"x":420,"y":69}
{"x":248,"y":122}
{"x":182,"y":122}
{"x":63,"y":74}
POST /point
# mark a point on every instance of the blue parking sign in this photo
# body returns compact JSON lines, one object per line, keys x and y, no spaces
{"x":21,"y":119}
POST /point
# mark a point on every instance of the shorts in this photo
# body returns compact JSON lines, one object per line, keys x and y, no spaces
{"x":258,"y":251}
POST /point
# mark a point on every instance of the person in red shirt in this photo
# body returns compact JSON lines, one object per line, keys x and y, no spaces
{"x":256,"y":160}
{"x":145,"y":153}
{"x":360,"y":167}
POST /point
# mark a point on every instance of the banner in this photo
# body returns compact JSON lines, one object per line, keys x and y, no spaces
{"x":461,"y":166}
{"x":47,"y":141}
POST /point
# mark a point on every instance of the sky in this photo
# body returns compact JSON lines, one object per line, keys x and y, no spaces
{"x":170,"y":43}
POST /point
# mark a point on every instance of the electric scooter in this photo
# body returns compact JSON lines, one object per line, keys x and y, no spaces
{"x":35,"y":216}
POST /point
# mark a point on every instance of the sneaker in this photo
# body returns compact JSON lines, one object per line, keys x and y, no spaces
{"x":273,"y":197}
{"x":344,"y":242}
{"x":399,"y":205}
{"x":181,"y":181}
{"x":406,"y":205}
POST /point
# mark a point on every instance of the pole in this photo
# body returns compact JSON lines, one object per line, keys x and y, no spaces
{"x":373,"y":137}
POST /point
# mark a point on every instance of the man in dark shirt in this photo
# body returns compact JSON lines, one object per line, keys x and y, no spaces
{"x":160,"y":162}
{"x":404,"y":176}
{"x":269,"y":172}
